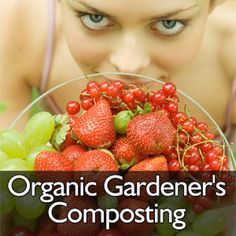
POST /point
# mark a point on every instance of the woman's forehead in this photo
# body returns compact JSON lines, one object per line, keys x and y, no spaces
{"x":143,"y":8}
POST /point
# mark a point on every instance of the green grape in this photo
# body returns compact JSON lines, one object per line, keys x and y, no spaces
{"x":107,"y":202}
{"x":39,"y":129}
{"x":166,"y":228}
{"x":209,"y":223}
{"x":35,"y":151}
{"x":7,"y":200}
{"x":12,"y":143}
{"x":188,"y":233}
{"x":30,"y":206}
{"x":21,"y":221}
{"x":190,"y":216}
{"x":154,"y":234}
{"x":9,"y":168}
{"x":15,"y":165}
{"x":122,"y":120}
{"x":3,"y":157}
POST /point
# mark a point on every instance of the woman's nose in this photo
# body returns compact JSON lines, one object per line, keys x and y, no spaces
{"x":129,"y":56}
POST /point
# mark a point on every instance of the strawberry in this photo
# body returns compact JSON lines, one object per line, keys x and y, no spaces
{"x":96,"y":166}
{"x":69,"y":140}
{"x":141,"y":229}
{"x":54,"y":163}
{"x":151,"y":133}
{"x":110,"y":232}
{"x":125,"y":153}
{"x":80,"y":228}
{"x":95,"y":127}
{"x":95,"y":160}
{"x":158,"y":163}
{"x":74,"y":152}
{"x":45,"y":226}
{"x":146,"y":171}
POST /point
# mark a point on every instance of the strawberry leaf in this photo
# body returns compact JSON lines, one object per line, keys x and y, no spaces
{"x":61,"y":129}
{"x":147,"y":107}
{"x":124,"y":166}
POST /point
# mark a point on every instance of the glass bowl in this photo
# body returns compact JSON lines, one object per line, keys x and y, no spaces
{"x":70,"y":90}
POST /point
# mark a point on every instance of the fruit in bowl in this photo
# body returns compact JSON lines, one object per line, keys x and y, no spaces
{"x":119,"y":127}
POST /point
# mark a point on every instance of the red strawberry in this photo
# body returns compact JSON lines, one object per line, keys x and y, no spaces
{"x":80,"y":228}
{"x":158,"y":163}
{"x":74,"y":152}
{"x":95,"y":160}
{"x":46,"y":227}
{"x":58,"y":166}
{"x":151,"y":133}
{"x":146,"y":171}
{"x":52,"y":161}
{"x":110,"y":232}
{"x":95,"y":127}
{"x":125,"y":153}
{"x":68,"y":141}
{"x":141,"y":229}
{"x":95,"y":166}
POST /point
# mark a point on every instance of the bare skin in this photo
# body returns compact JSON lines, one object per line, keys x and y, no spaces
{"x":206,"y":72}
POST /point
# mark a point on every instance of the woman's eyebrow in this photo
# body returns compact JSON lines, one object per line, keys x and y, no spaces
{"x":91,"y":8}
{"x":175,"y":12}
{"x":162,"y":16}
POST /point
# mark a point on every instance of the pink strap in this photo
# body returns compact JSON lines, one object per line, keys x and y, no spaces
{"x":49,"y":55}
{"x":49,"y":46}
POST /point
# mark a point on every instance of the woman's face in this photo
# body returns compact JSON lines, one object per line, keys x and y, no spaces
{"x":157,"y":38}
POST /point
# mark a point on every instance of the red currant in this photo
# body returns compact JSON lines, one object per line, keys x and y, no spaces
{"x":171,"y":107}
{"x":187,"y":126}
{"x":92,"y":84}
{"x":215,"y":164}
{"x":128,"y":97}
{"x":112,"y":91}
{"x":205,"y":147}
{"x":196,"y":138}
{"x":174,"y":165}
{"x":104,"y":86}
{"x":158,"y":98}
{"x":202,"y":126}
{"x":139,"y":95}
{"x":169,"y":89}
{"x":94,"y":92}
{"x":179,"y":117}
{"x":197,"y":208}
{"x":73,"y":107}
{"x":87,"y":103}
{"x":209,"y":135}
{"x":218,"y":150}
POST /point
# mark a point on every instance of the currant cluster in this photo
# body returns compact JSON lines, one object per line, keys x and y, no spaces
{"x":195,"y":147}
{"x":199,"y":204}
{"x":123,"y":96}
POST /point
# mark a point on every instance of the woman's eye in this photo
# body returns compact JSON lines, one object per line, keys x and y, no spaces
{"x":95,"y":22}
{"x":168,"y":27}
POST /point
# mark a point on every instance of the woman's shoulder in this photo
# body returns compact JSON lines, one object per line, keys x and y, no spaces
{"x":224,"y":21}
{"x":23,"y":30}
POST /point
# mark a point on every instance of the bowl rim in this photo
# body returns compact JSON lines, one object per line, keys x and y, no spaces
{"x":89,"y":76}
